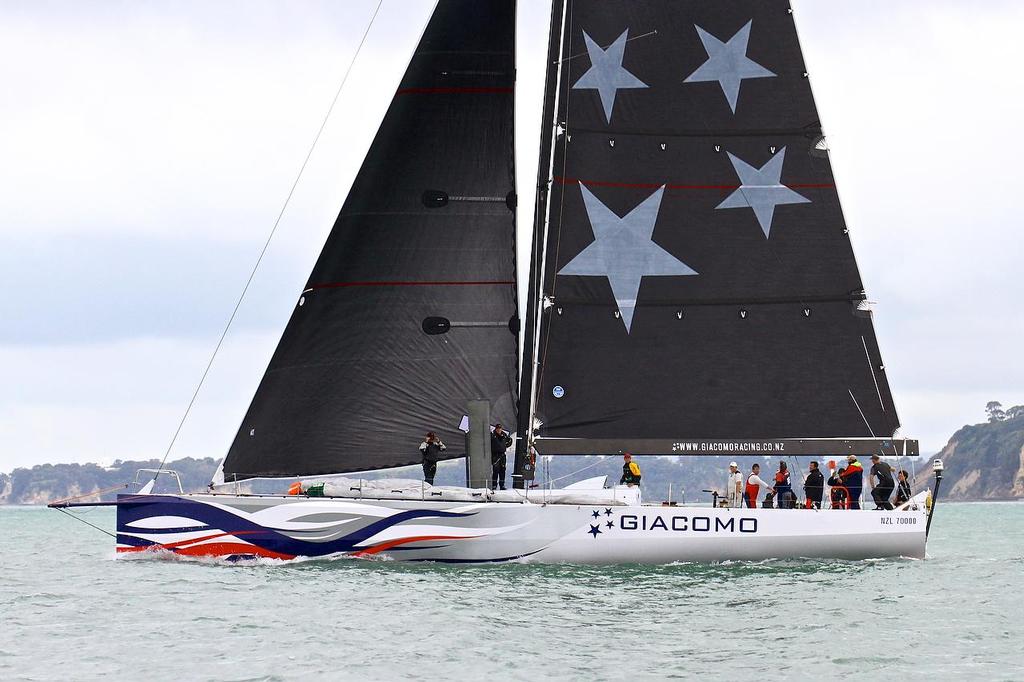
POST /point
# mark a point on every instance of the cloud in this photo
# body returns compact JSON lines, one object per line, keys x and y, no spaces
{"x":915,"y":107}
{"x":123,"y":399}
{"x":188,"y":118}
{"x":146,"y":150}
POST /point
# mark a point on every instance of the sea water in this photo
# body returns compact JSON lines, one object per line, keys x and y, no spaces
{"x":70,"y":611}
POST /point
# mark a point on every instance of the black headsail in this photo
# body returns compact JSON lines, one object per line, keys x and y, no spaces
{"x":410,"y":311}
{"x":700,"y":292}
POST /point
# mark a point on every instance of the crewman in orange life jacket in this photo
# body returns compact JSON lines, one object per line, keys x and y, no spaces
{"x":630,"y":471}
{"x":853,"y":479}
{"x":753,"y":486}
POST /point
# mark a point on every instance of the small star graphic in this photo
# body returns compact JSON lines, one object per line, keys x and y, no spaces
{"x":606,"y":73}
{"x":762,"y":190}
{"x":607,"y":511}
{"x":596,"y":513}
{"x":610,"y":524}
{"x":728,"y":63}
{"x":594,"y":530}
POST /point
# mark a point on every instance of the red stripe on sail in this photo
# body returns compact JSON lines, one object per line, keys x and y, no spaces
{"x":436,"y":283}
{"x":656,"y":185}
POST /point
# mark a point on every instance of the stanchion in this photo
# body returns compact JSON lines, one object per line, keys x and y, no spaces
{"x":937,"y":467}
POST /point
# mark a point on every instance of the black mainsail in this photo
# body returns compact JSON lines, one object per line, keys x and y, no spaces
{"x":697,"y":280}
{"x":410,"y":311}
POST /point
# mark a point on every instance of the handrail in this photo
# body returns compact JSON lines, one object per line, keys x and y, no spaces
{"x":158,"y":472}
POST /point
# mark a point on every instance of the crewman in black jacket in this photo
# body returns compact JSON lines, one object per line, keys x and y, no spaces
{"x":500,"y":442}
{"x":431,"y":450}
{"x":814,"y":486}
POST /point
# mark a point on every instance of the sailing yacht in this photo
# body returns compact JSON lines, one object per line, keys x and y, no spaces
{"x":692,"y":291}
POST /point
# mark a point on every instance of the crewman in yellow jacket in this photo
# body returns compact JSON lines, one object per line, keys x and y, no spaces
{"x":630,"y":471}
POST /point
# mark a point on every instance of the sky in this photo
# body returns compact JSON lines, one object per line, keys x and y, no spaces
{"x":147,"y":147}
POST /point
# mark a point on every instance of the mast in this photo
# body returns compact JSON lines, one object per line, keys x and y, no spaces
{"x":541,"y":218}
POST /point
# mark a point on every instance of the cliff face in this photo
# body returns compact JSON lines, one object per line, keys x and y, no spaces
{"x":983,"y":462}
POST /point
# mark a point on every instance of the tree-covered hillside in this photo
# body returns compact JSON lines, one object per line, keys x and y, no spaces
{"x":48,"y":482}
{"x":983,"y":461}
{"x":687,"y":477}
{"x":986,"y":461}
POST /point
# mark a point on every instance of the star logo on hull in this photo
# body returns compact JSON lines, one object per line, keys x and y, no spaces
{"x":728,"y":63}
{"x":624,"y":251}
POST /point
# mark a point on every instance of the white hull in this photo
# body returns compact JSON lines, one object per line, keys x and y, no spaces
{"x":288,"y":527}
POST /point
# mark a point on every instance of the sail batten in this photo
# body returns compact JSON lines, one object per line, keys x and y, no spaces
{"x":408,"y":314}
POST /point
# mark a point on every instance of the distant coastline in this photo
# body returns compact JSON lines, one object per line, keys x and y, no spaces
{"x":984,"y":462}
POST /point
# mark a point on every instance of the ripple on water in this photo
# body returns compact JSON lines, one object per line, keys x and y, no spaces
{"x":951,"y":616}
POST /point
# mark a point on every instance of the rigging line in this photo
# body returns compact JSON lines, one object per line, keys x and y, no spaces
{"x":94,"y":493}
{"x":600,"y":460}
{"x":870,"y":430}
{"x":93,"y":525}
{"x":628,"y":40}
{"x":871,"y":368}
{"x":270,"y":236}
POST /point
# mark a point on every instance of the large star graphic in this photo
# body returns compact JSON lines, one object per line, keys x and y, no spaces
{"x":727,"y":63}
{"x":762,"y":190}
{"x":595,"y":531}
{"x":606,"y":74}
{"x":623,"y":250}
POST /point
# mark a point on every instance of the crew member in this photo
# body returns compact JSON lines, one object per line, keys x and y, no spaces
{"x":783,"y":488}
{"x":853,"y":479}
{"x":734,"y":486}
{"x":500,"y":442}
{"x":754,"y":485}
{"x":814,"y":486}
{"x":838,"y":495}
{"x":431,"y":450}
{"x":903,"y":493}
{"x":882,"y":489}
{"x":630,"y":471}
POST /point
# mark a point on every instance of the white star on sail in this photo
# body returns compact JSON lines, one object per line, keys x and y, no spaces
{"x":606,"y":74}
{"x":762,"y":190}
{"x":623,"y":250}
{"x":728,"y":63}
